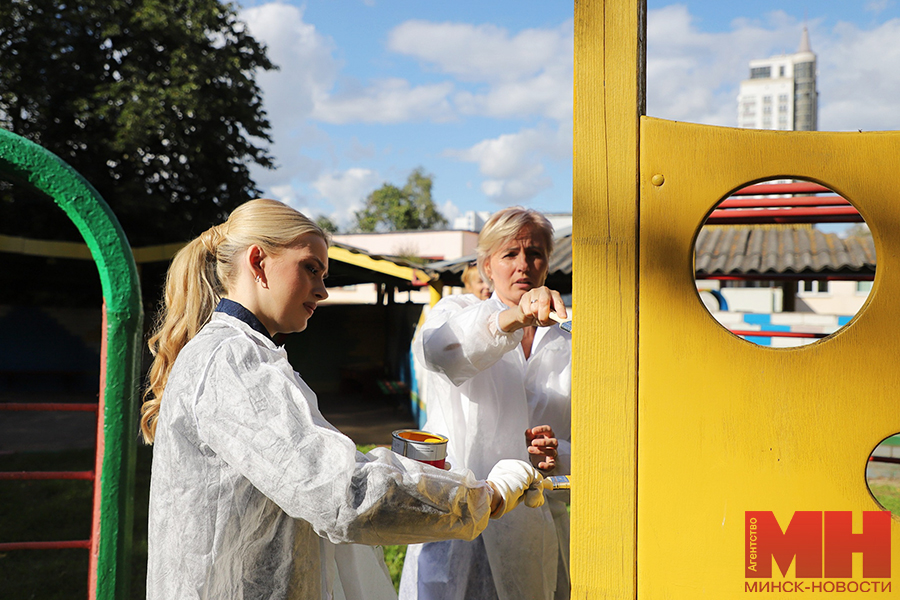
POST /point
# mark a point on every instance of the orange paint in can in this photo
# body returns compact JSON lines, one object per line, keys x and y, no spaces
{"x":429,"y":448}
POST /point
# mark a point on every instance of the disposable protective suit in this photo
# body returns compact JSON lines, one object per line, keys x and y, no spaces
{"x":483,"y":394}
{"x":253,"y":493}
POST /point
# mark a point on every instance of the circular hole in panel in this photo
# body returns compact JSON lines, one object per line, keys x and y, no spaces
{"x":883,"y":474}
{"x":784,"y":263}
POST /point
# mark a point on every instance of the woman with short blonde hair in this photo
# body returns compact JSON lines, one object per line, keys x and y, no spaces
{"x":496,"y":369}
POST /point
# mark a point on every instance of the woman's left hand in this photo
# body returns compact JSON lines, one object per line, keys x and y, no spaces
{"x":542,"y":447}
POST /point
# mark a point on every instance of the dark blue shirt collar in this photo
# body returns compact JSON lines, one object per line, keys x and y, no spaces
{"x":233,"y":309}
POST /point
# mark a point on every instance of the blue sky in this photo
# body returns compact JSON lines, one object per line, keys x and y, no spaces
{"x":479,"y":94}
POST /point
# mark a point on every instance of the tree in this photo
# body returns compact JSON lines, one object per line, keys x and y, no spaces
{"x":154,"y":102}
{"x":860,"y":230}
{"x":390,"y":208}
{"x":324,"y":222}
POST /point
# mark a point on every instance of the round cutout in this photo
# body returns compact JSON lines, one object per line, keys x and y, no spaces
{"x":883,"y":474}
{"x":784,"y":263}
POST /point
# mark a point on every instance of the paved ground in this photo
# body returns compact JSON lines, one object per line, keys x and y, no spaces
{"x":366,"y":420}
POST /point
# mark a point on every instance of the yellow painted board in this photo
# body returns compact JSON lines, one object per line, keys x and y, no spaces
{"x":726,"y":426}
{"x":609,"y":57}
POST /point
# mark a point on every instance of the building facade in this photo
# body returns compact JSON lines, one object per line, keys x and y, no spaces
{"x":781,"y":93}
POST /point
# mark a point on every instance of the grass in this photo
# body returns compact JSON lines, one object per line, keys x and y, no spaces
{"x":887,"y":492}
{"x":57,"y":511}
{"x":61,"y":510}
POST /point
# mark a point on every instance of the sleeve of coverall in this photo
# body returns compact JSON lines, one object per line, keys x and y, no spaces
{"x":254,"y":414}
{"x":460,"y":339}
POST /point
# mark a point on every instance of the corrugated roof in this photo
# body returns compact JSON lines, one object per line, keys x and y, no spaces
{"x":559,"y":276}
{"x":732,"y":250}
{"x":781,"y":250}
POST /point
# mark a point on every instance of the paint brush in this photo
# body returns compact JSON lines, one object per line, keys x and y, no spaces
{"x":564,"y":324}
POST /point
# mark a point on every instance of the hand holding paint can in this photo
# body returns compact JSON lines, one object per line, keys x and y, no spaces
{"x":429,"y":448}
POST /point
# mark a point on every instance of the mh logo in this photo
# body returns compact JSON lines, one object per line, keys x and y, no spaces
{"x":817,"y":539}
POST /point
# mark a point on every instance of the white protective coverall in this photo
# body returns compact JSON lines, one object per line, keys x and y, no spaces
{"x":253,"y":493}
{"x":483,"y":395}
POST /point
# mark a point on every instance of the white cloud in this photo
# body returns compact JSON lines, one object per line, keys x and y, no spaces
{"x":284,"y":193}
{"x":450,"y":211}
{"x":513,"y":164}
{"x":346,"y":191}
{"x":859,"y":78}
{"x":695,"y":76}
{"x":483,"y":52}
{"x":877,"y":6}
{"x":387,"y":101}
{"x":308,"y":69}
{"x":527,"y":74}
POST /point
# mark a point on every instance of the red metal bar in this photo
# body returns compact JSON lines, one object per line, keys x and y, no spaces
{"x":760,"y":202}
{"x":96,"y":533}
{"x":825,"y":214}
{"x":8,"y":546}
{"x":798,"y":187}
{"x":786,"y":334}
{"x":786,"y":277}
{"x":61,"y":406}
{"x":45,"y":475}
{"x":886,"y":459}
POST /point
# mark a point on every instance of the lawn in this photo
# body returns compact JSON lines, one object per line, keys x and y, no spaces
{"x":61,"y":510}
{"x":887,"y":492}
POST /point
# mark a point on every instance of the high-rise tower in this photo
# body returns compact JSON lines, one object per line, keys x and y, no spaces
{"x":781,"y":92}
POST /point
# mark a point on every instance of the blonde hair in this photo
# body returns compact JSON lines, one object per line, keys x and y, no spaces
{"x":201,"y":274}
{"x":504,"y":226}
{"x":468,"y":273}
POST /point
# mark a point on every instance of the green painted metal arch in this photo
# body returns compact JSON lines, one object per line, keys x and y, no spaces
{"x":27,"y":163}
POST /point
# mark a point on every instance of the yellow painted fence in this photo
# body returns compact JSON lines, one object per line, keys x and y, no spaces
{"x":681,"y":427}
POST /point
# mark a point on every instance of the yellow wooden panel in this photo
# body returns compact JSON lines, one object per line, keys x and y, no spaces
{"x":608,"y":103}
{"x":726,"y":426}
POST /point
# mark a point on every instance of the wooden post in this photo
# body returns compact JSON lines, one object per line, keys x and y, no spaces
{"x":609,"y":101}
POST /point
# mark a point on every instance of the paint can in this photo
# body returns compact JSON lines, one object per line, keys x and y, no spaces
{"x":429,"y":448}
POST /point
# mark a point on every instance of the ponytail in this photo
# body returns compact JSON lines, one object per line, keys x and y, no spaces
{"x":201,"y":274}
{"x":189,"y":303}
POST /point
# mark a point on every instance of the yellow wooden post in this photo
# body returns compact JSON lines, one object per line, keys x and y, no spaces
{"x":609,"y":100}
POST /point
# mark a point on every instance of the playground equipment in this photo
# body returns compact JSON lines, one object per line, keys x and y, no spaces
{"x":28,"y":164}
{"x":669,"y":473}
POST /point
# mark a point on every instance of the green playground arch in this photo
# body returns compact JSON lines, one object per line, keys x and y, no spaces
{"x":25,"y":163}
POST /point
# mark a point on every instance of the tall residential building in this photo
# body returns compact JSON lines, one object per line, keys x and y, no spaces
{"x":781,"y":92}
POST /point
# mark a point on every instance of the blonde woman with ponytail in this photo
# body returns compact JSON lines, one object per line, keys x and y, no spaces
{"x":253,"y":493}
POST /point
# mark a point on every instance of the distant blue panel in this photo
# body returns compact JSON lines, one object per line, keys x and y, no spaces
{"x":758,"y":319}
{"x":844,"y":320}
{"x":761,"y":341}
{"x":765,"y":327}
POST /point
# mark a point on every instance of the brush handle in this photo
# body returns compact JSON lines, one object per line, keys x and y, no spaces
{"x":555,"y":482}
{"x":560,"y":482}
{"x":558,"y":318}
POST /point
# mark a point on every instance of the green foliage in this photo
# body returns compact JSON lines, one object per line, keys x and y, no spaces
{"x":326,"y":224}
{"x":154,"y":102}
{"x":390,"y":208}
{"x":393,"y":557}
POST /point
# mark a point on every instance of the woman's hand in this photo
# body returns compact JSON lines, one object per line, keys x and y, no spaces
{"x":533,"y":310}
{"x":542,"y":447}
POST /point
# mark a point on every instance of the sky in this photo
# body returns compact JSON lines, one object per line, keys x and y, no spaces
{"x":479,"y":94}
